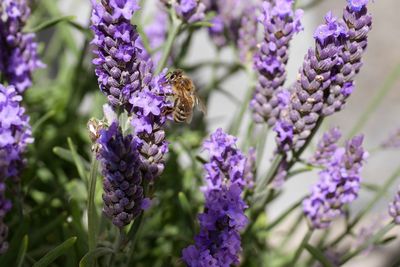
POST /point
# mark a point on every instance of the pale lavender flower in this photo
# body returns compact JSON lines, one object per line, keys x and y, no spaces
{"x":247,"y":41}
{"x":280,"y":23}
{"x":218,"y":243}
{"x":393,"y":141}
{"x":326,"y":147}
{"x":250,"y":168}
{"x":18,"y":50}
{"x":190,"y":11}
{"x":394,"y":207}
{"x":338,"y":185}
{"x":156,"y":33}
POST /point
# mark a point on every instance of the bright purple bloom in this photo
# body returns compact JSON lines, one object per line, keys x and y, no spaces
{"x":120,"y":67}
{"x":18,"y":50}
{"x":394,"y":208}
{"x":121,"y":167}
{"x":339,"y":184}
{"x":280,"y":23}
{"x":326,"y":147}
{"x":190,"y":10}
{"x":284,"y":135}
{"x":15,"y":133}
{"x":218,"y":243}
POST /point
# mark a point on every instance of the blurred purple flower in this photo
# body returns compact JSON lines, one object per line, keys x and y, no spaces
{"x":218,"y":243}
{"x":326,"y":147}
{"x":393,"y":141}
{"x":339,"y":184}
{"x":18,"y":50}
{"x":394,"y":207}
{"x":190,"y":10}
{"x":247,"y":41}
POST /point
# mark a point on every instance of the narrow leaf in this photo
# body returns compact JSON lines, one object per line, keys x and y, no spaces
{"x":66,"y":155}
{"x":92,"y":255}
{"x":56,"y":252}
{"x":318,"y":255}
{"x":22,"y":251}
{"x":92,"y":212}
{"x":50,"y":23}
{"x":77,"y":160}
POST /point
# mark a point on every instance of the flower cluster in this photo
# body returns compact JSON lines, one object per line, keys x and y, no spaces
{"x":339,"y":184}
{"x":280,"y":25}
{"x":18,"y":50}
{"x":190,"y":10}
{"x":121,"y":168}
{"x":326,"y":77}
{"x":326,"y":147}
{"x":358,"y":23}
{"x":15,"y":133}
{"x":394,"y":207}
{"x":218,"y":243}
{"x":120,"y":67}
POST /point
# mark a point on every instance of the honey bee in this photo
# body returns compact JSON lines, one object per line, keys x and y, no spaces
{"x":184,"y":97}
{"x":94,"y":127}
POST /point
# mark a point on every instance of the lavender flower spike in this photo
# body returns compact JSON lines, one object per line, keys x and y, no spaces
{"x":18,"y":50}
{"x":15,"y":133}
{"x":315,"y":79}
{"x":280,"y":24}
{"x":326,"y":147}
{"x":394,"y":207}
{"x":190,"y":11}
{"x":149,"y":106}
{"x":218,"y":243}
{"x":118,"y":60}
{"x":358,"y":22}
{"x":121,"y":167}
{"x":338,"y":185}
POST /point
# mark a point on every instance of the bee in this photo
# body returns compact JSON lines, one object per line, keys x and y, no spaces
{"x":184,"y":96}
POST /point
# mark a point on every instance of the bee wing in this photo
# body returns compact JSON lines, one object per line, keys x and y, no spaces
{"x":200,"y":105}
{"x":189,"y":118}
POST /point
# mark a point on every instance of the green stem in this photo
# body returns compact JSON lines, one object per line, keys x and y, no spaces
{"x":134,"y":234}
{"x":301,"y":248}
{"x":172,"y":34}
{"x":284,"y":214}
{"x":376,"y":101}
{"x":372,"y":240}
{"x":92,"y":213}
{"x":369,"y":206}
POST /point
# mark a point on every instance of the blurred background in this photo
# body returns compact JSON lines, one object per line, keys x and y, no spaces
{"x":381,"y":64}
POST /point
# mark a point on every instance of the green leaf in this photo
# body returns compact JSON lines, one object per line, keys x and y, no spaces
{"x":50,"y":23}
{"x":94,"y":254}
{"x":184,"y":203}
{"x":93,"y":220}
{"x":66,"y":155}
{"x":318,"y":255}
{"x":201,"y":24}
{"x":77,"y":160}
{"x":56,"y":252}
{"x":22,"y":251}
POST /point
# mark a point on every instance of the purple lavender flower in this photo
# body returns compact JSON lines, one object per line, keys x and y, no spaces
{"x":247,"y":41}
{"x":326,"y":147}
{"x":156,"y":33}
{"x":250,"y":168}
{"x":284,"y":135}
{"x":149,"y":106}
{"x":315,"y":79}
{"x":218,"y":243}
{"x":394,"y":207}
{"x":18,"y":50}
{"x":121,"y":168}
{"x":393,"y":141}
{"x":358,"y":23}
{"x":280,"y":25}
{"x":190,"y":11}
{"x":120,"y":68}
{"x":15,"y":133}
{"x":339,"y":184}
